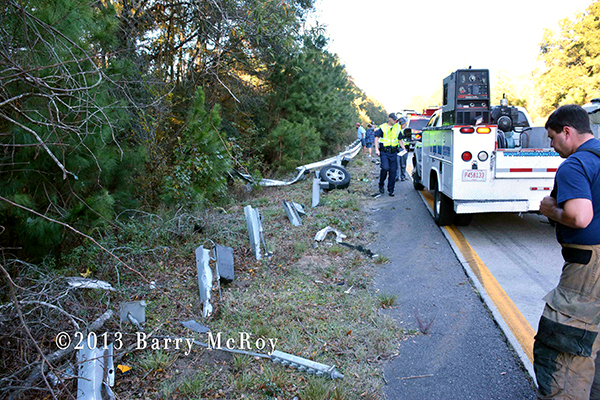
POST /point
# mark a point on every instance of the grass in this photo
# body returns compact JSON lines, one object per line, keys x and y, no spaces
{"x":317,"y":302}
{"x":387,"y":301}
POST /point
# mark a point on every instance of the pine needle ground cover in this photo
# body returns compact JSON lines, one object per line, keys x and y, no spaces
{"x":315,"y":301}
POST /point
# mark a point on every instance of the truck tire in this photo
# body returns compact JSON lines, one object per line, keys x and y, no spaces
{"x":417,"y":181}
{"x":443,"y":208}
{"x":337,"y":177}
{"x":463,"y":219}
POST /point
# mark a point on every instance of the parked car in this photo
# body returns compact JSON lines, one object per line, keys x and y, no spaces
{"x":412,"y":132}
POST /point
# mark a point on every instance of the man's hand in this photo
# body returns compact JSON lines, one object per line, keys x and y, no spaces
{"x":548,"y":207}
{"x":377,"y":151}
{"x":576,"y":213}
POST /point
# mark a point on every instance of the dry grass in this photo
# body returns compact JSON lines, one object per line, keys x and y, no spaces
{"x":317,"y":302}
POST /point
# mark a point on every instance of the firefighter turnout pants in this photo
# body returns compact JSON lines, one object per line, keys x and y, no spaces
{"x":567,"y":343}
{"x":389,"y":166}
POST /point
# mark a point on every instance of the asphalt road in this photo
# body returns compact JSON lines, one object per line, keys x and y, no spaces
{"x":522,"y":253}
{"x":464,"y":354}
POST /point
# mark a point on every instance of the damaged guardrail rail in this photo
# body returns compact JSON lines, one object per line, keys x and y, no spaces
{"x":338,"y":160}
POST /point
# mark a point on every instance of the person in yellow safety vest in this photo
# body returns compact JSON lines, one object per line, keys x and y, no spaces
{"x":387,"y":144}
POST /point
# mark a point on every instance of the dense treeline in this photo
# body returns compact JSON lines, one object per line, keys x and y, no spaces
{"x":107,"y":105}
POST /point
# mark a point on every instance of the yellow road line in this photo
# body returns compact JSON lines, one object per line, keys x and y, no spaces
{"x":519,"y":326}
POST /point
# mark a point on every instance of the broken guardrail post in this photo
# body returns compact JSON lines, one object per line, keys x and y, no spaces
{"x":254,"y":230}
{"x":224,"y":263}
{"x":292,"y":213}
{"x":205,"y":278}
{"x":304,"y":365}
{"x":96,"y":373}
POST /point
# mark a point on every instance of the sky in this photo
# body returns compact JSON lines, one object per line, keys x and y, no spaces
{"x":396,"y":50}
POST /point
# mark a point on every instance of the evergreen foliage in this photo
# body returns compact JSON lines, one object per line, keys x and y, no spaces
{"x":312,"y":86}
{"x":201,"y":163}
{"x":571,"y":61}
{"x":294,"y":143}
{"x":123,"y":104}
{"x":61,"y":157}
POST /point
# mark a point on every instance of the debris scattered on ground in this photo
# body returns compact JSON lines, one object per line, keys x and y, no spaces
{"x":205,"y":278}
{"x":359,"y":248}
{"x":86,"y":283}
{"x":320,"y":236}
{"x":134,"y":312}
{"x":304,"y":365}
{"x":255,"y":231}
{"x":292,"y":213}
{"x":195,"y":326}
{"x":224,"y":263}
{"x":96,"y":373}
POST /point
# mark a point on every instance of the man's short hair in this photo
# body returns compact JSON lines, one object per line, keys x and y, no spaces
{"x":569,"y":115}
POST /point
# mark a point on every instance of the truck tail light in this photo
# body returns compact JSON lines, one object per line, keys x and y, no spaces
{"x":467,"y":129}
{"x":484,"y":129}
{"x":482,"y":156}
{"x":466,"y":156}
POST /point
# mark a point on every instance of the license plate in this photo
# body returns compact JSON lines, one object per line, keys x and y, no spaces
{"x":473,"y":175}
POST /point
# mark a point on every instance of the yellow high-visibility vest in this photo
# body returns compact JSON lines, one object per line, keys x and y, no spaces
{"x":390,"y":134}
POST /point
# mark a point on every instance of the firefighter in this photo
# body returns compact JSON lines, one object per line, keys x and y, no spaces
{"x":387,"y":145}
{"x":567,"y":343}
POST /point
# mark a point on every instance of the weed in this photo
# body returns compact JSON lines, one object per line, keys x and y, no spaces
{"x":196,"y":386}
{"x":386,"y":301}
{"x":155,"y":361}
{"x":241,"y":362}
{"x":336,"y":249}
{"x":424,"y":325}
{"x":381,"y":259}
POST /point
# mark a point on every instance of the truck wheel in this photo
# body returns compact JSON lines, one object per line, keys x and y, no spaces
{"x":443,"y":208}
{"x":337,"y":177}
{"x":417,"y":181}
{"x":463,"y":219}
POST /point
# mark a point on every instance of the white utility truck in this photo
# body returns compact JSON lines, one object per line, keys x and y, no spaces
{"x":477,"y":159}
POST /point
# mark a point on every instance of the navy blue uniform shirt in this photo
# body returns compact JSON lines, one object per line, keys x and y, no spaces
{"x":578,"y":177}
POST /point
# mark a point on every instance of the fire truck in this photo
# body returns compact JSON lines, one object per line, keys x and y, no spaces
{"x":477,"y":158}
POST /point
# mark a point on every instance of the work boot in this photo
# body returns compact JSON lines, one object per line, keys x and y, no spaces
{"x":392,"y":194}
{"x":381,"y":189}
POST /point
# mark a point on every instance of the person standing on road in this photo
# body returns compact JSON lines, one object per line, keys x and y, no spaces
{"x":360,"y":133}
{"x":387,"y":143}
{"x":401,"y":173}
{"x":567,"y":342}
{"x":369,"y":138}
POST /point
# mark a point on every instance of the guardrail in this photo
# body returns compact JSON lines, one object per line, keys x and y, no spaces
{"x":346,"y":155}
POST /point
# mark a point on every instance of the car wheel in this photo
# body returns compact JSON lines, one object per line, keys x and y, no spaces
{"x":443,"y":208}
{"x":337,"y":177}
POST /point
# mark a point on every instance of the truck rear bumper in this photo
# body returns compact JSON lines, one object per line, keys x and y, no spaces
{"x":482,"y":206}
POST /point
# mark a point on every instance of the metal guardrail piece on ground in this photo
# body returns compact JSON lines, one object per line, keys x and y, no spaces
{"x":224,"y":263}
{"x":205,"y":279}
{"x":254,"y":230}
{"x":137,"y":310}
{"x":292,"y":213}
{"x":304,"y":365}
{"x":96,"y":372}
{"x":195,"y":326}
{"x":320,"y":236}
{"x":87,"y":283}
